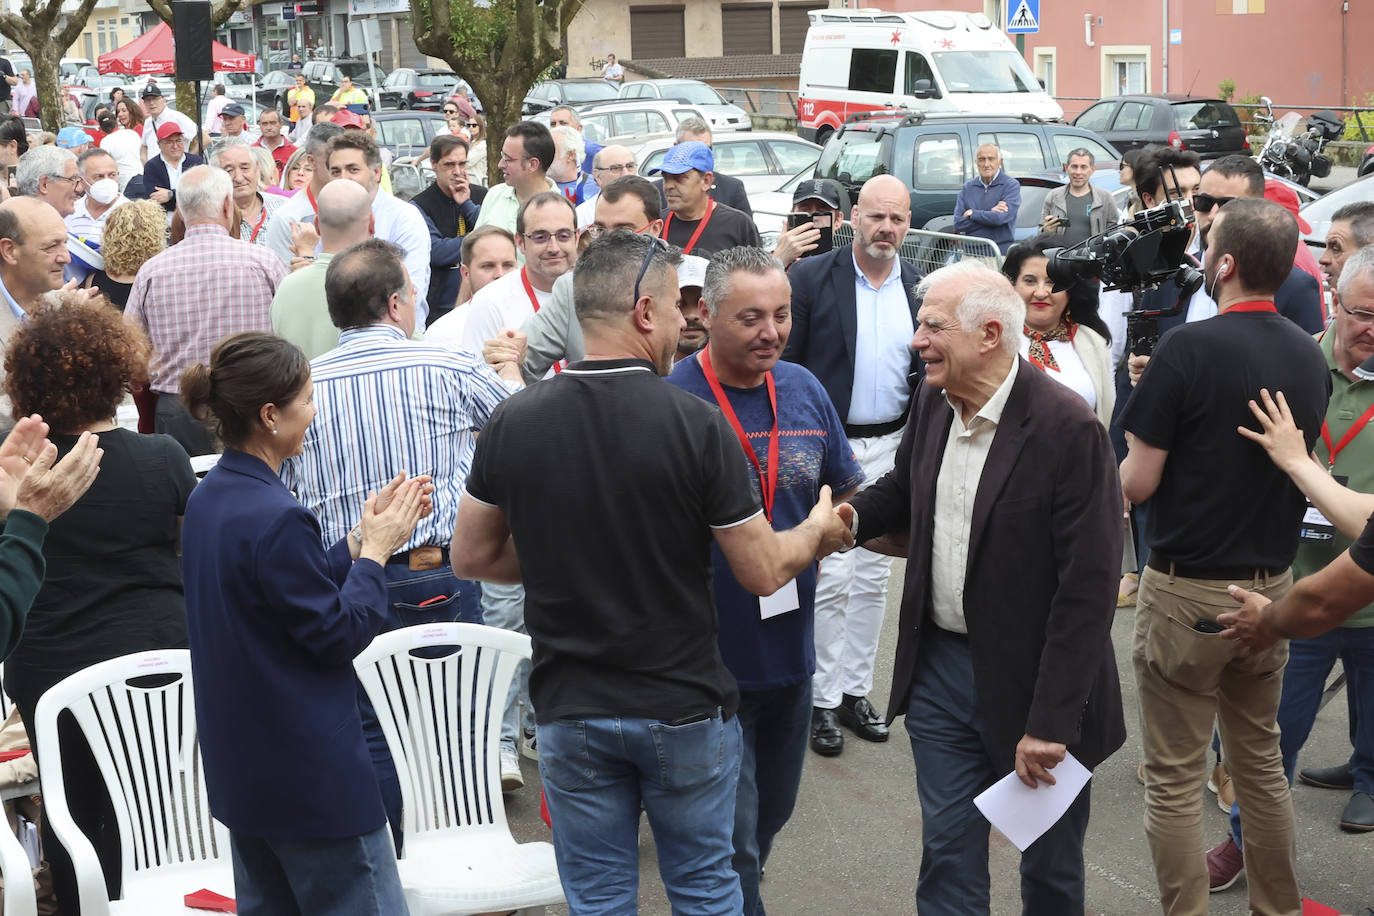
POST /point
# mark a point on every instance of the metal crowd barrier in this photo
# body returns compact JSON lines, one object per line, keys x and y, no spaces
{"x":932,"y":250}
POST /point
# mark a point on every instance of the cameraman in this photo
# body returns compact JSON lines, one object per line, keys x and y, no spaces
{"x":1220,"y":513}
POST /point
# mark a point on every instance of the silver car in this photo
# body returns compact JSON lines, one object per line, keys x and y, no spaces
{"x":721,"y":115}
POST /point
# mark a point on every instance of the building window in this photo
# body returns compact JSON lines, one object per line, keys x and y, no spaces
{"x":746,"y":28}
{"x":1128,"y":75}
{"x":1125,"y":69}
{"x":1239,"y":7}
{"x":1045,"y":67}
{"x":657,"y":31}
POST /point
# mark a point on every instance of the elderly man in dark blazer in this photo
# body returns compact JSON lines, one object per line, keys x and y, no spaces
{"x":1006,"y":495}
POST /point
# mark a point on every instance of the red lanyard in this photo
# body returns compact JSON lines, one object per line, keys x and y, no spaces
{"x":769,"y":484}
{"x":311,"y":197}
{"x":534,"y":301}
{"x":1256,"y":306}
{"x":262,"y":218}
{"x":701,"y":227}
{"x":1333,"y":450}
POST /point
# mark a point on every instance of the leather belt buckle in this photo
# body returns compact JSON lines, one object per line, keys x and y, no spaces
{"x":426,"y":558}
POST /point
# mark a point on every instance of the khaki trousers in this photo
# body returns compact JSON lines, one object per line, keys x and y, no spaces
{"x":1186,"y":680}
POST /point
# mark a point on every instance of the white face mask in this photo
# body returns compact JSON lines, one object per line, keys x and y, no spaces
{"x":104,"y":191}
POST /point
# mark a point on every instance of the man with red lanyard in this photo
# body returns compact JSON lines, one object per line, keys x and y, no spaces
{"x":1221,"y":514}
{"x":233,"y":155}
{"x":270,"y":126}
{"x":696,"y":223}
{"x":783,"y":419}
{"x":295,"y":221}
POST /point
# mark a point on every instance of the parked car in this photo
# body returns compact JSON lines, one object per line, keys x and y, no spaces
{"x":272,"y":88}
{"x":632,"y":122}
{"x":934,"y":154}
{"x":324,"y":76}
{"x":720,"y":114}
{"x":71,"y":66}
{"x":577,"y":93}
{"x":1209,"y":127}
{"x":759,"y":159}
{"x":407,"y":88}
{"x":407,"y":133}
{"x":1318,"y":212}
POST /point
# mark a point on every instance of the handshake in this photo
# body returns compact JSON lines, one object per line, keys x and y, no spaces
{"x":835,"y":524}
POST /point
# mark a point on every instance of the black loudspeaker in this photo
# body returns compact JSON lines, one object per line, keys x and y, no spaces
{"x":192,"y":32}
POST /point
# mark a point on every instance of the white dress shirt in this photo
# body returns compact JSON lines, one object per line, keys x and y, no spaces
{"x":882,"y":354}
{"x":502,"y":303}
{"x":1072,"y":374}
{"x":956,"y":488}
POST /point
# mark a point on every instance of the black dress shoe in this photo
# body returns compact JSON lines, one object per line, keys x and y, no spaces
{"x":1358,"y":816}
{"x":1338,"y":777}
{"x":859,"y":716}
{"x":826,"y":737}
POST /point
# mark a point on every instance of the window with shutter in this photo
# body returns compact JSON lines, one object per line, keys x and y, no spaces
{"x":657,"y":31}
{"x":746,"y":28}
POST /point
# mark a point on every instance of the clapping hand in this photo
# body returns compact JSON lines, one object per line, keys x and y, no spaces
{"x":49,"y":489}
{"x":16,"y":457}
{"x":385,"y":531}
{"x":385,"y":494}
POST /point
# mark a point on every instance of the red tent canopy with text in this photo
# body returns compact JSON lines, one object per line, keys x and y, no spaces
{"x":155,"y":52}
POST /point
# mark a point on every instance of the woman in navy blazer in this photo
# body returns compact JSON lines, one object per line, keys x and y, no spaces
{"x":274,"y":621}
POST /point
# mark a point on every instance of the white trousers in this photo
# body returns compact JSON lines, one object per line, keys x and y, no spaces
{"x":851,"y":597}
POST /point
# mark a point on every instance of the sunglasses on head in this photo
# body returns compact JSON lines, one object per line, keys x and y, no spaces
{"x":1205,"y":203}
{"x":655,"y":245}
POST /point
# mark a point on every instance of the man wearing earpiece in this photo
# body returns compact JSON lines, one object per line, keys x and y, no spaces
{"x":1220,"y":514}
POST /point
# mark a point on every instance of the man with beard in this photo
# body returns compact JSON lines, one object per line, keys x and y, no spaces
{"x":853,"y":313}
{"x":691,"y":276}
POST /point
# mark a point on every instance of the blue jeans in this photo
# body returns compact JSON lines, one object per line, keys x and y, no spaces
{"x":353,"y":876}
{"x":953,"y":766}
{"x":1309,"y":664}
{"x":503,"y":606}
{"x":597,"y":773}
{"x":406,"y":588}
{"x":775,"y":726}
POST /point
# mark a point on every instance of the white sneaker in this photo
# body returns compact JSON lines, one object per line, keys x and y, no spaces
{"x":510,"y":770}
{"x":529,"y":747}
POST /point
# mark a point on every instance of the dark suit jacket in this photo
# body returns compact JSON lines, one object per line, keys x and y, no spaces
{"x":274,"y":621}
{"x":1043,"y":566}
{"x":825,"y":320}
{"x":155,"y":176}
{"x":727,"y":190}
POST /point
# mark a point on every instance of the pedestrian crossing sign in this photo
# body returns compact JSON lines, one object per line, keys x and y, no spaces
{"x":1023,"y":17}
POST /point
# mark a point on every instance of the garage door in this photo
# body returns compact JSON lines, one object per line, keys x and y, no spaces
{"x":656,"y":31}
{"x":792,"y":26}
{"x":746,"y":28}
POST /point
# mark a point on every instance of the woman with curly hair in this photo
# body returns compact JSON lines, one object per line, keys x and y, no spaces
{"x":113,"y":583}
{"x":134,"y":232}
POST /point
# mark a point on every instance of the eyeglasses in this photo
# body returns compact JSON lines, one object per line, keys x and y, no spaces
{"x":1204,"y":203}
{"x":450,"y":111}
{"x":595,"y":231}
{"x":627,"y":168}
{"x":656,"y":245}
{"x":564,"y":236}
{"x":471,"y":125}
{"x":1359,"y":315}
{"x":74,"y":179}
{"x":505,"y":159}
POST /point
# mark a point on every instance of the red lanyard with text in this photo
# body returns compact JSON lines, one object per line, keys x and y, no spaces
{"x":262,"y":218}
{"x":534,"y":301}
{"x":767,"y":485}
{"x":701,"y":227}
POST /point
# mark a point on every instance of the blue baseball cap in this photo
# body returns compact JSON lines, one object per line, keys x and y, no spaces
{"x":684,"y":157}
{"x":72,"y":137}
{"x":233,"y":110}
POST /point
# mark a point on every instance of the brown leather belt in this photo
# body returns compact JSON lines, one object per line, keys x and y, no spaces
{"x":421,"y":558}
{"x":1230,"y":573}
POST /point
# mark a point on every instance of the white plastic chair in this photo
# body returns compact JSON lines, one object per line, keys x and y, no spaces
{"x":144,"y":741}
{"x":20,"y":899}
{"x":442,"y":721}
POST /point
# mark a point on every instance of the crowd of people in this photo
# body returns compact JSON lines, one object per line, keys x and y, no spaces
{"x":455,"y":409}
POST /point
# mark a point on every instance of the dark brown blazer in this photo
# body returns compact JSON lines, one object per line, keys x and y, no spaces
{"x":1043,"y":567}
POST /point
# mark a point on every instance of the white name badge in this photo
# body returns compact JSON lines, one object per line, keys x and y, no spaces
{"x":780,"y":602}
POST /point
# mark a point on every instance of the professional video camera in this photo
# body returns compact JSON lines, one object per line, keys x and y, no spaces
{"x":1142,"y":253}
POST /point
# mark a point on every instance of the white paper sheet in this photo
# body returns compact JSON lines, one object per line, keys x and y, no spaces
{"x":1023,"y":814}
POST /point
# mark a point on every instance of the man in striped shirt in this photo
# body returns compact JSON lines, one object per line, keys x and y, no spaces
{"x":387,"y":403}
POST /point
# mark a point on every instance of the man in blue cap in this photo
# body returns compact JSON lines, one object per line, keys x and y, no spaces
{"x":696,"y":223}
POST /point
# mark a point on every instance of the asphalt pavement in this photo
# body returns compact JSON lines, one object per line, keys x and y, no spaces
{"x":853,"y":845}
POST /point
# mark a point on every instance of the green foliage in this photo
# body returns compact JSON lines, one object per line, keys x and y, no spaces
{"x":1352,"y":125}
{"x":1226,"y":89}
{"x":478,"y":32}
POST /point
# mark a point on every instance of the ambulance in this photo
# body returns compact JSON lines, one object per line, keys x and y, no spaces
{"x":930,"y":61}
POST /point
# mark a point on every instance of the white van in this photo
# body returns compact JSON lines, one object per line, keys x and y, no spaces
{"x":934,"y":61}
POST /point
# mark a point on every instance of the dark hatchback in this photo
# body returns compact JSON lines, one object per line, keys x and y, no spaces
{"x":1208,"y":127}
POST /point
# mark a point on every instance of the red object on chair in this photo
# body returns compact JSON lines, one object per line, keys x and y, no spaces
{"x":209,"y":900}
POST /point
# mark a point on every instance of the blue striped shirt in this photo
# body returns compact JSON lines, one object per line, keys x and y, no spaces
{"x":388,"y":404}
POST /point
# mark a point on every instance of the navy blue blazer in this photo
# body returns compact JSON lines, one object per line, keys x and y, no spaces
{"x":274,"y":621}
{"x":825,"y":319}
{"x":155,"y":176}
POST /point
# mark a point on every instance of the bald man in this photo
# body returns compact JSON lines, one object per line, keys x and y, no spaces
{"x":299,"y":310}
{"x":609,"y":163}
{"x":33,"y":252}
{"x":853,"y":314}
{"x":988,"y":203}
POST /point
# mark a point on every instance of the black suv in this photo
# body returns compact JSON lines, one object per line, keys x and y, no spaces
{"x":1208,"y":127}
{"x":934,"y":154}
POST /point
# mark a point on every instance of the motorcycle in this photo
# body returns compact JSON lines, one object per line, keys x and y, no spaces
{"x":1297,"y":156}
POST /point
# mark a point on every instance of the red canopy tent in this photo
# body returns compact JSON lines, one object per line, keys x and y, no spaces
{"x":155,"y":52}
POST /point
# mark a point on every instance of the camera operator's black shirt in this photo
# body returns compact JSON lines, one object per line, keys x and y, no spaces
{"x":611,"y":480}
{"x":1221,"y":501}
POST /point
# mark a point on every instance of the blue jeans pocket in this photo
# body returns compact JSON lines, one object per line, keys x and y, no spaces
{"x":564,"y":759}
{"x":689,"y":755}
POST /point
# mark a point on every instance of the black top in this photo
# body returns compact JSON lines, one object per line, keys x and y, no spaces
{"x":1362,"y":551}
{"x":1221,"y":501}
{"x":116,"y":292}
{"x":1079,"y":226}
{"x":6,"y":69}
{"x":113,"y":584}
{"x":611,"y":481}
{"x":728,"y":228}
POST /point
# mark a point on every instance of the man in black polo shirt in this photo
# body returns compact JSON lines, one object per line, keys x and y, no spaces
{"x":1220,"y":513}
{"x":614,"y":485}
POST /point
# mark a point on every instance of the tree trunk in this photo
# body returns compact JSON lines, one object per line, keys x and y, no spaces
{"x":501,"y":109}
{"x":186,"y":104}
{"x":47,"y":75}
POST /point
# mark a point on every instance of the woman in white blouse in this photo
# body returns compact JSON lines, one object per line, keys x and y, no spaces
{"x":1064,"y":336}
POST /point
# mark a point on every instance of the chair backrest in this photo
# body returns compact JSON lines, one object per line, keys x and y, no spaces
{"x":137,"y":713}
{"x":440,"y":692}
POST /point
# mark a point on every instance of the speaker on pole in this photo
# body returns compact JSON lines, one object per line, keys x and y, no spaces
{"x":193,"y":35}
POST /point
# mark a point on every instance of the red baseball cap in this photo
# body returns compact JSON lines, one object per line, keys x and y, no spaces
{"x":170,"y":129}
{"x":347,"y":119}
{"x":1286,"y":197}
